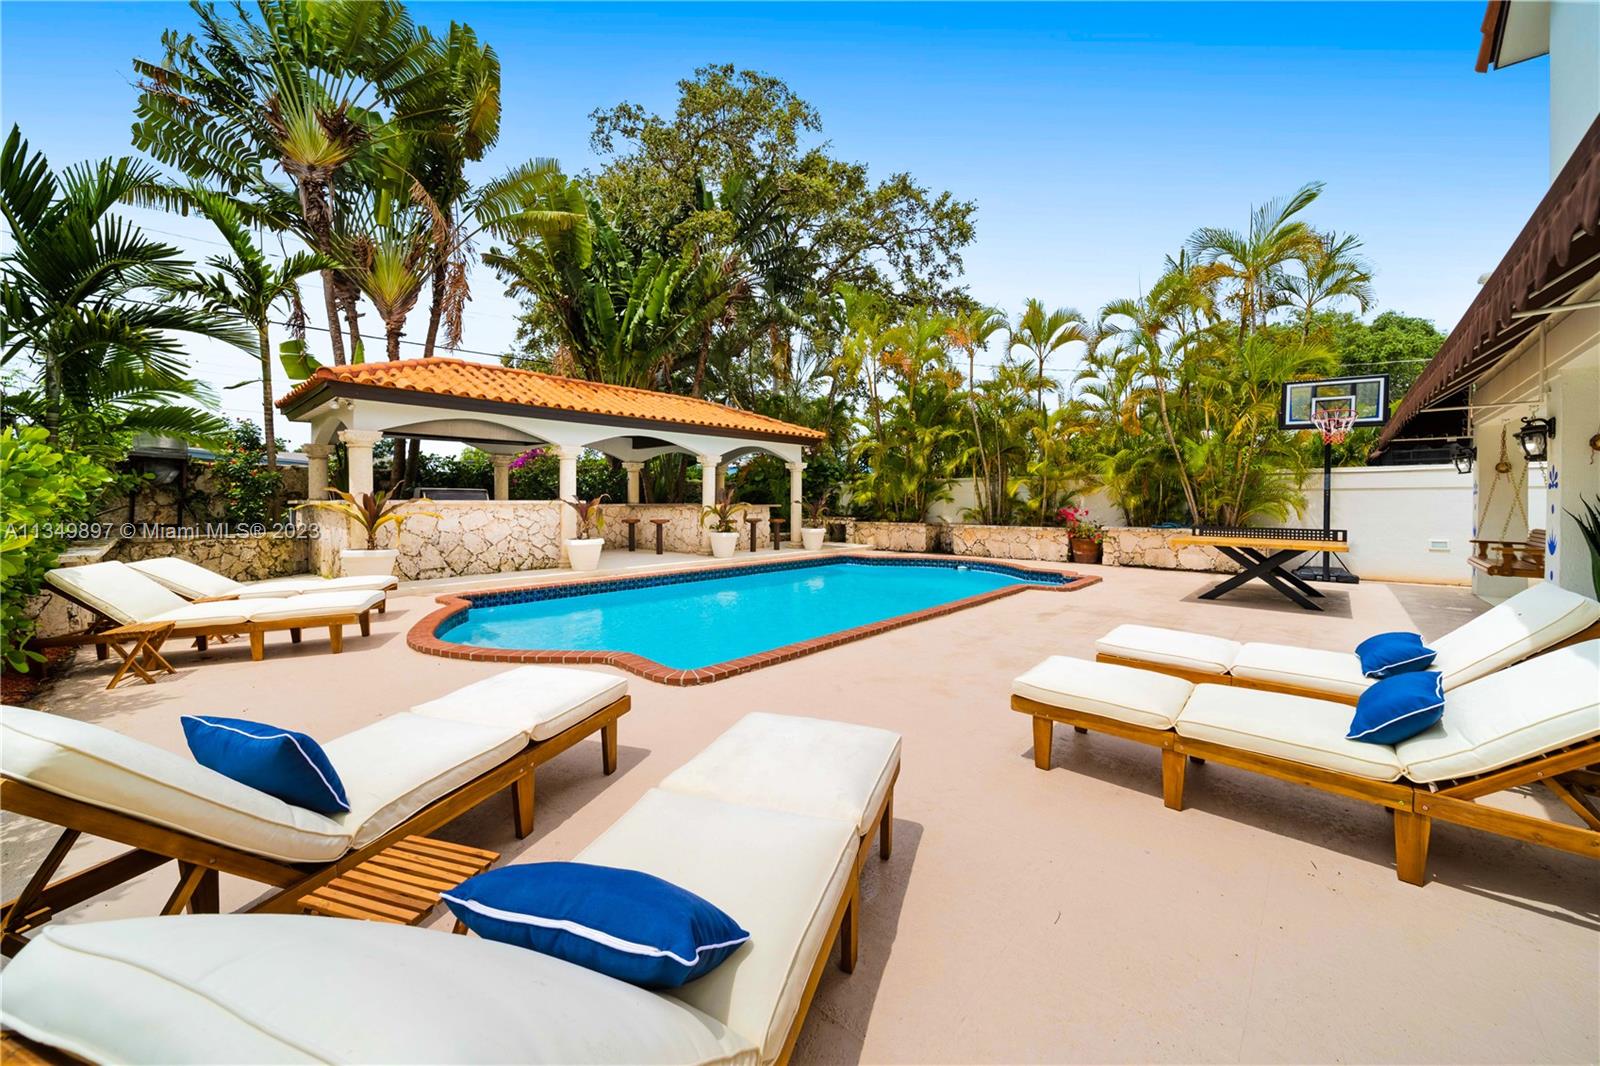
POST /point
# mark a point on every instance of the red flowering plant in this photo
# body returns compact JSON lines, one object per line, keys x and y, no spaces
{"x":1079,"y":525}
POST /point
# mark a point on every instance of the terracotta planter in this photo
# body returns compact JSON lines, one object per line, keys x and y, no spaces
{"x":585,"y":554}
{"x":1086,"y":550}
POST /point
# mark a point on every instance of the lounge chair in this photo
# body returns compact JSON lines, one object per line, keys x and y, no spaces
{"x":1541,"y":617}
{"x":784,"y":864}
{"x":120,"y":595}
{"x":1533,"y":723}
{"x":195,"y":582}
{"x":406,"y":774}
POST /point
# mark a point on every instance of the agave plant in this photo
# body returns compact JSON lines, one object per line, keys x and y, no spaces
{"x":589,"y":515}
{"x":722,"y":514}
{"x":1589,"y":522}
{"x":372,"y":511}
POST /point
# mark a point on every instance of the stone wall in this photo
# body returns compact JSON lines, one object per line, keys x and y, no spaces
{"x":243,"y":558}
{"x":1045,"y":544}
{"x":1142,"y":546}
{"x":683,"y":531}
{"x":901,"y":536}
{"x":1123,"y":546}
{"x":159,"y":504}
{"x":468,"y":537}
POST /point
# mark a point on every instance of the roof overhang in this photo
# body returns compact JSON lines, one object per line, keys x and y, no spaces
{"x":1513,"y":32}
{"x":1556,"y":254}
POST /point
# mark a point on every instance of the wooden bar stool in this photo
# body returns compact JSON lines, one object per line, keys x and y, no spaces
{"x":660,"y":524}
{"x":752,"y":523}
{"x":633,"y":528}
{"x":777,"y":532}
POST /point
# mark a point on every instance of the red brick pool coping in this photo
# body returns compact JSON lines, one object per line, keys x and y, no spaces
{"x":422,"y":638}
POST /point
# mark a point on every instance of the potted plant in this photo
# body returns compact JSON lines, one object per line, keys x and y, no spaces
{"x":815,"y":531}
{"x":724,"y":534}
{"x":583,"y":551}
{"x":371,"y":512}
{"x":1085,"y":536}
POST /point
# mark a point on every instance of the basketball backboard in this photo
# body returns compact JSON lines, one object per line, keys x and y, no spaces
{"x":1367,"y":395}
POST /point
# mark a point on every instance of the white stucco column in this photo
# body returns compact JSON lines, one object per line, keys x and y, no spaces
{"x":796,"y":470}
{"x":316,"y":470}
{"x":722,"y":480}
{"x":358,"y":452}
{"x":633,"y":470}
{"x":708,"y":493}
{"x":567,"y":489}
{"x":502,"y":476}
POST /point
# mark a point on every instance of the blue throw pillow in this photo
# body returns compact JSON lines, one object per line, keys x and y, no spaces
{"x":1398,"y":707}
{"x":1388,"y":654}
{"x":623,"y":923}
{"x":279,"y":762}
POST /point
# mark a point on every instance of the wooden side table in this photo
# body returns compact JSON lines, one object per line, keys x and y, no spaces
{"x":660,"y":524}
{"x":633,"y":528}
{"x":142,"y":653}
{"x":401,"y":884}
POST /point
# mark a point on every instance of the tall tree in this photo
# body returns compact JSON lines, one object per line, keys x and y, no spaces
{"x":1332,"y":269}
{"x":1043,"y":333}
{"x":1253,"y":260}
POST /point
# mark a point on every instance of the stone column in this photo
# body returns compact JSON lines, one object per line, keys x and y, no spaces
{"x":633,"y":470}
{"x":358,"y":450}
{"x":502,"y":476}
{"x":567,"y":489}
{"x":317,"y":470}
{"x":708,"y":493}
{"x":722,"y":480}
{"x":796,"y":514}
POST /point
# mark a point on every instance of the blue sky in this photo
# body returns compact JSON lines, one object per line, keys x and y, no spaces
{"x":1094,"y":137}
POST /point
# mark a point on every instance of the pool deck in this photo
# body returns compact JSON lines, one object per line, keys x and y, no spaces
{"x":1027,"y":916}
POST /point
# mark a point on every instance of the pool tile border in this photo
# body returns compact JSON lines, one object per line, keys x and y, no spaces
{"x":423,"y":636}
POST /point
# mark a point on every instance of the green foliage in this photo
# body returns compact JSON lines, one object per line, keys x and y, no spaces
{"x":1589,"y":522}
{"x":42,"y":490}
{"x":722,"y":515}
{"x":591,"y":519}
{"x":249,"y":489}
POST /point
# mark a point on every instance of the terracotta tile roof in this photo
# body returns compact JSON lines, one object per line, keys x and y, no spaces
{"x":487,"y":382}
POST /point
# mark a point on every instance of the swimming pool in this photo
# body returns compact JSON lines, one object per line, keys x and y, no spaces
{"x":704,"y":624}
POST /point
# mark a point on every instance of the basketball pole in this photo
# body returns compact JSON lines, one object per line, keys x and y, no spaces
{"x":1327,"y":503}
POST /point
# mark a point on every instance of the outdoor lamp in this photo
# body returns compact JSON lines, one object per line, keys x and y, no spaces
{"x":1534,"y":436}
{"x":1462,"y":455}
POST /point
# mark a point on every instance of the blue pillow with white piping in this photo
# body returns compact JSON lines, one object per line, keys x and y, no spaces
{"x":279,"y":762}
{"x":1398,"y":707}
{"x":622,"y":923}
{"x":1389,"y":654}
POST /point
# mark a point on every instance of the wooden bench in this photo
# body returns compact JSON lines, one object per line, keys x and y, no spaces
{"x":1510,"y":558}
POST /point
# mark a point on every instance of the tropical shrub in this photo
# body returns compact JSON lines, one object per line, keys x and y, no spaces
{"x":372,"y":511}
{"x":591,"y":519}
{"x":43,"y":493}
{"x":248,"y":488}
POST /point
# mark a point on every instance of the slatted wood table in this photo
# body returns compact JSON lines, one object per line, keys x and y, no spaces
{"x":1263,"y":555}
{"x":143,"y":655}
{"x":402,"y":884}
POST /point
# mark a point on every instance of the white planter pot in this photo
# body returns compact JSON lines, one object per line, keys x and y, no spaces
{"x":585,"y":554}
{"x":811,"y":539}
{"x":358,"y":562}
{"x":723,"y":545}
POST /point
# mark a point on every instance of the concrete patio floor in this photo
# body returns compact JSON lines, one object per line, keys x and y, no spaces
{"x":1028,"y":916}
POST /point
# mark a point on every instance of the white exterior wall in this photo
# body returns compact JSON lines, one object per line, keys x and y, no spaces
{"x":1574,"y":76}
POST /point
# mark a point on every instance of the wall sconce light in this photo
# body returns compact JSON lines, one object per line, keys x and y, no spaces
{"x":1462,"y":454}
{"x":1535,"y":436}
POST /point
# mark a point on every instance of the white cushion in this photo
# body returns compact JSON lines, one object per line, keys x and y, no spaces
{"x":1138,"y":697}
{"x":1170,"y":647}
{"x":779,"y":875}
{"x":189,"y":580}
{"x":116,"y":590}
{"x":397,"y":765}
{"x":539,"y":700}
{"x":1297,"y":728}
{"x":1528,"y":709}
{"x":311,"y":605}
{"x":1541,"y":615}
{"x":225,"y":613}
{"x":800,"y":765}
{"x":1325,"y":671}
{"x":294,"y":988}
{"x":303,"y":583}
{"x":94,"y":765}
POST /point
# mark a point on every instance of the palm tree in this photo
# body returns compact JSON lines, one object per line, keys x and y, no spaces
{"x":81,"y":289}
{"x":969,"y":331}
{"x":1254,"y":260}
{"x":247,"y":286}
{"x":1043,"y":334}
{"x":1333,"y":270}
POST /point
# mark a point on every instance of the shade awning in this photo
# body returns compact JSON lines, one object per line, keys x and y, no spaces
{"x":1557,"y":253}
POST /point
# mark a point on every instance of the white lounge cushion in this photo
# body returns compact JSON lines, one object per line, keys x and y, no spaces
{"x":306,"y":583}
{"x":193,"y":581}
{"x":1170,"y":647}
{"x":539,"y":700}
{"x":92,"y":764}
{"x":292,"y":988}
{"x":800,"y":765}
{"x":779,"y":875}
{"x":1528,"y":709}
{"x":1337,"y":672}
{"x":397,"y":765}
{"x":226,"y":613}
{"x":311,"y":605}
{"x":1297,"y":728}
{"x":1126,"y":694}
{"x":116,"y":590}
{"x":1542,"y":615}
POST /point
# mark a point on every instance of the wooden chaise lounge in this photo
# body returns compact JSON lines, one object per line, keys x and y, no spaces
{"x":197,"y":583}
{"x":1536,"y":723}
{"x":1541,"y":617}
{"x":119,"y":595}
{"x":405,"y":775}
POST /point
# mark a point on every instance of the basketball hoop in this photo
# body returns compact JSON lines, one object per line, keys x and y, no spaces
{"x":1334,"y":423}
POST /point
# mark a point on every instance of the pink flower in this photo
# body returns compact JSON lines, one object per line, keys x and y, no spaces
{"x":526,"y":457}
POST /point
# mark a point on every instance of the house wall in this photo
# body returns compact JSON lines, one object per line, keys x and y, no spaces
{"x":1574,"y":76}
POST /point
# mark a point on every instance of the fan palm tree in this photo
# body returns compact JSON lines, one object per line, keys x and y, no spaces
{"x":247,"y":286}
{"x":1253,"y":261}
{"x":81,"y":293}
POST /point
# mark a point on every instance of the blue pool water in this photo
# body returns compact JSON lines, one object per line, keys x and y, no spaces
{"x":687,"y":625}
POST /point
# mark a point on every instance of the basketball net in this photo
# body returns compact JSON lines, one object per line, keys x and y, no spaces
{"x":1334,"y":423}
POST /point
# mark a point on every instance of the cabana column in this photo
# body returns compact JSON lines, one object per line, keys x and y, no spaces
{"x":317,"y":470}
{"x":358,"y":450}
{"x":633,"y":470}
{"x":567,"y":489}
{"x":502,"y":476}
{"x":796,"y":470}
